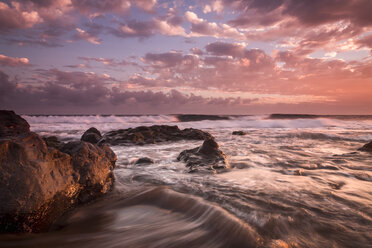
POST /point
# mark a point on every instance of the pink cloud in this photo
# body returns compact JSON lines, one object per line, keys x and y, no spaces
{"x":12,"y":17}
{"x":13,"y":62}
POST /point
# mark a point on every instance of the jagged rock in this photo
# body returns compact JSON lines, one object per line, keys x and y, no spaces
{"x":153,"y":134}
{"x":207,"y":156}
{"x":39,"y":182}
{"x":144,"y":160}
{"x":367,"y":147}
{"x":239,"y":133}
{"x":92,"y":135}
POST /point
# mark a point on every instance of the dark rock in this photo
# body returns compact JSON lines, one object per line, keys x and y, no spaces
{"x":144,"y":160}
{"x":92,"y":135}
{"x":153,"y":134}
{"x":93,"y":165}
{"x":207,"y":156}
{"x":52,"y":141}
{"x":367,"y":147}
{"x":239,"y":133}
{"x":39,"y":183}
{"x":186,"y":118}
{"x":12,"y":124}
{"x":294,"y":116}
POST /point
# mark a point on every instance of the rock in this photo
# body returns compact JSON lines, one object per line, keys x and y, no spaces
{"x":92,"y":135}
{"x":207,"y":156}
{"x":144,"y":160}
{"x":52,"y":141}
{"x":367,"y":147}
{"x":153,"y":134}
{"x":12,"y":124}
{"x":39,"y":183}
{"x":93,"y":165}
{"x":239,"y":133}
{"x":187,"y":118}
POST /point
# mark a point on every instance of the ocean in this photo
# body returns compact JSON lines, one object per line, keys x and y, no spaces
{"x":295,"y":181}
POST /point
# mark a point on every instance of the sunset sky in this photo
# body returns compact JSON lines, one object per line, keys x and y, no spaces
{"x":207,"y":56}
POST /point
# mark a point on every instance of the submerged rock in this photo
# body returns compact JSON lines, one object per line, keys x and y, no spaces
{"x":207,"y":156}
{"x":39,"y":182}
{"x":144,"y":160}
{"x":367,"y":147}
{"x":239,"y":133}
{"x":92,"y":135}
{"x":154,"y":134}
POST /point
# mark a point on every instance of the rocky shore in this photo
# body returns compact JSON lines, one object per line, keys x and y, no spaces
{"x":43,"y":178}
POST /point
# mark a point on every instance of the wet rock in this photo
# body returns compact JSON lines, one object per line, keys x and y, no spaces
{"x":39,"y":183}
{"x":52,"y":141}
{"x":187,"y":118}
{"x":367,"y":147}
{"x":336,"y":185}
{"x":143,"y":161}
{"x":92,"y":135}
{"x":206,"y":157}
{"x":239,"y":133}
{"x":154,"y":134}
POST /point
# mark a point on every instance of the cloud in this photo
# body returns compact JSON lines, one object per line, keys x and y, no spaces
{"x":13,"y":62}
{"x":12,"y":17}
{"x":169,"y":25}
{"x":81,"y":34}
{"x":201,"y":27}
{"x":107,"y":62}
{"x":366,"y":41}
{"x":112,"y":6}
{"x":222,"y":48}
{"x":78,"y":92}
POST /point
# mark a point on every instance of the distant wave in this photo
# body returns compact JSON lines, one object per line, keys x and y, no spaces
{"x":100,"y":118}
{"x":307,"y":116}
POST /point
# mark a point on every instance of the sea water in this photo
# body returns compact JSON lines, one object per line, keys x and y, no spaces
{"x":294,"y":182}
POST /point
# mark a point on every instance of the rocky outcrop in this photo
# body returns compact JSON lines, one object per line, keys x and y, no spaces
{"x":206,"y":157}
{"x":154,"y":134}
{"x":92,"y":135}
{"x":239,"y":133}
{"x":367,"y":147}
{"x":187,"y":118}
{"x":39,"y":182}
{"x":144,"y":161}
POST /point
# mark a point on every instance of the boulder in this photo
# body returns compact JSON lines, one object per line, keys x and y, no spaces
{"x":206,"y":157}
{"x":39,"y":183}
{"x":92,"y":135}
{"x":367,"y":147}
{"x":154,"y":134}
{"x":12,"y":124}
{"x":239,"y":133}
{"x":143,"y":161}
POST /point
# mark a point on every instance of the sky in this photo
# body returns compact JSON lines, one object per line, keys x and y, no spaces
{"x":200,"y":57}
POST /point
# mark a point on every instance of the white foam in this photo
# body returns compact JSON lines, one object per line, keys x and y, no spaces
{"x":263,"y":122}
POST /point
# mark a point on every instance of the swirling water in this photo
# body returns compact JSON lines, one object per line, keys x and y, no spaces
{"x":294,"y":183}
